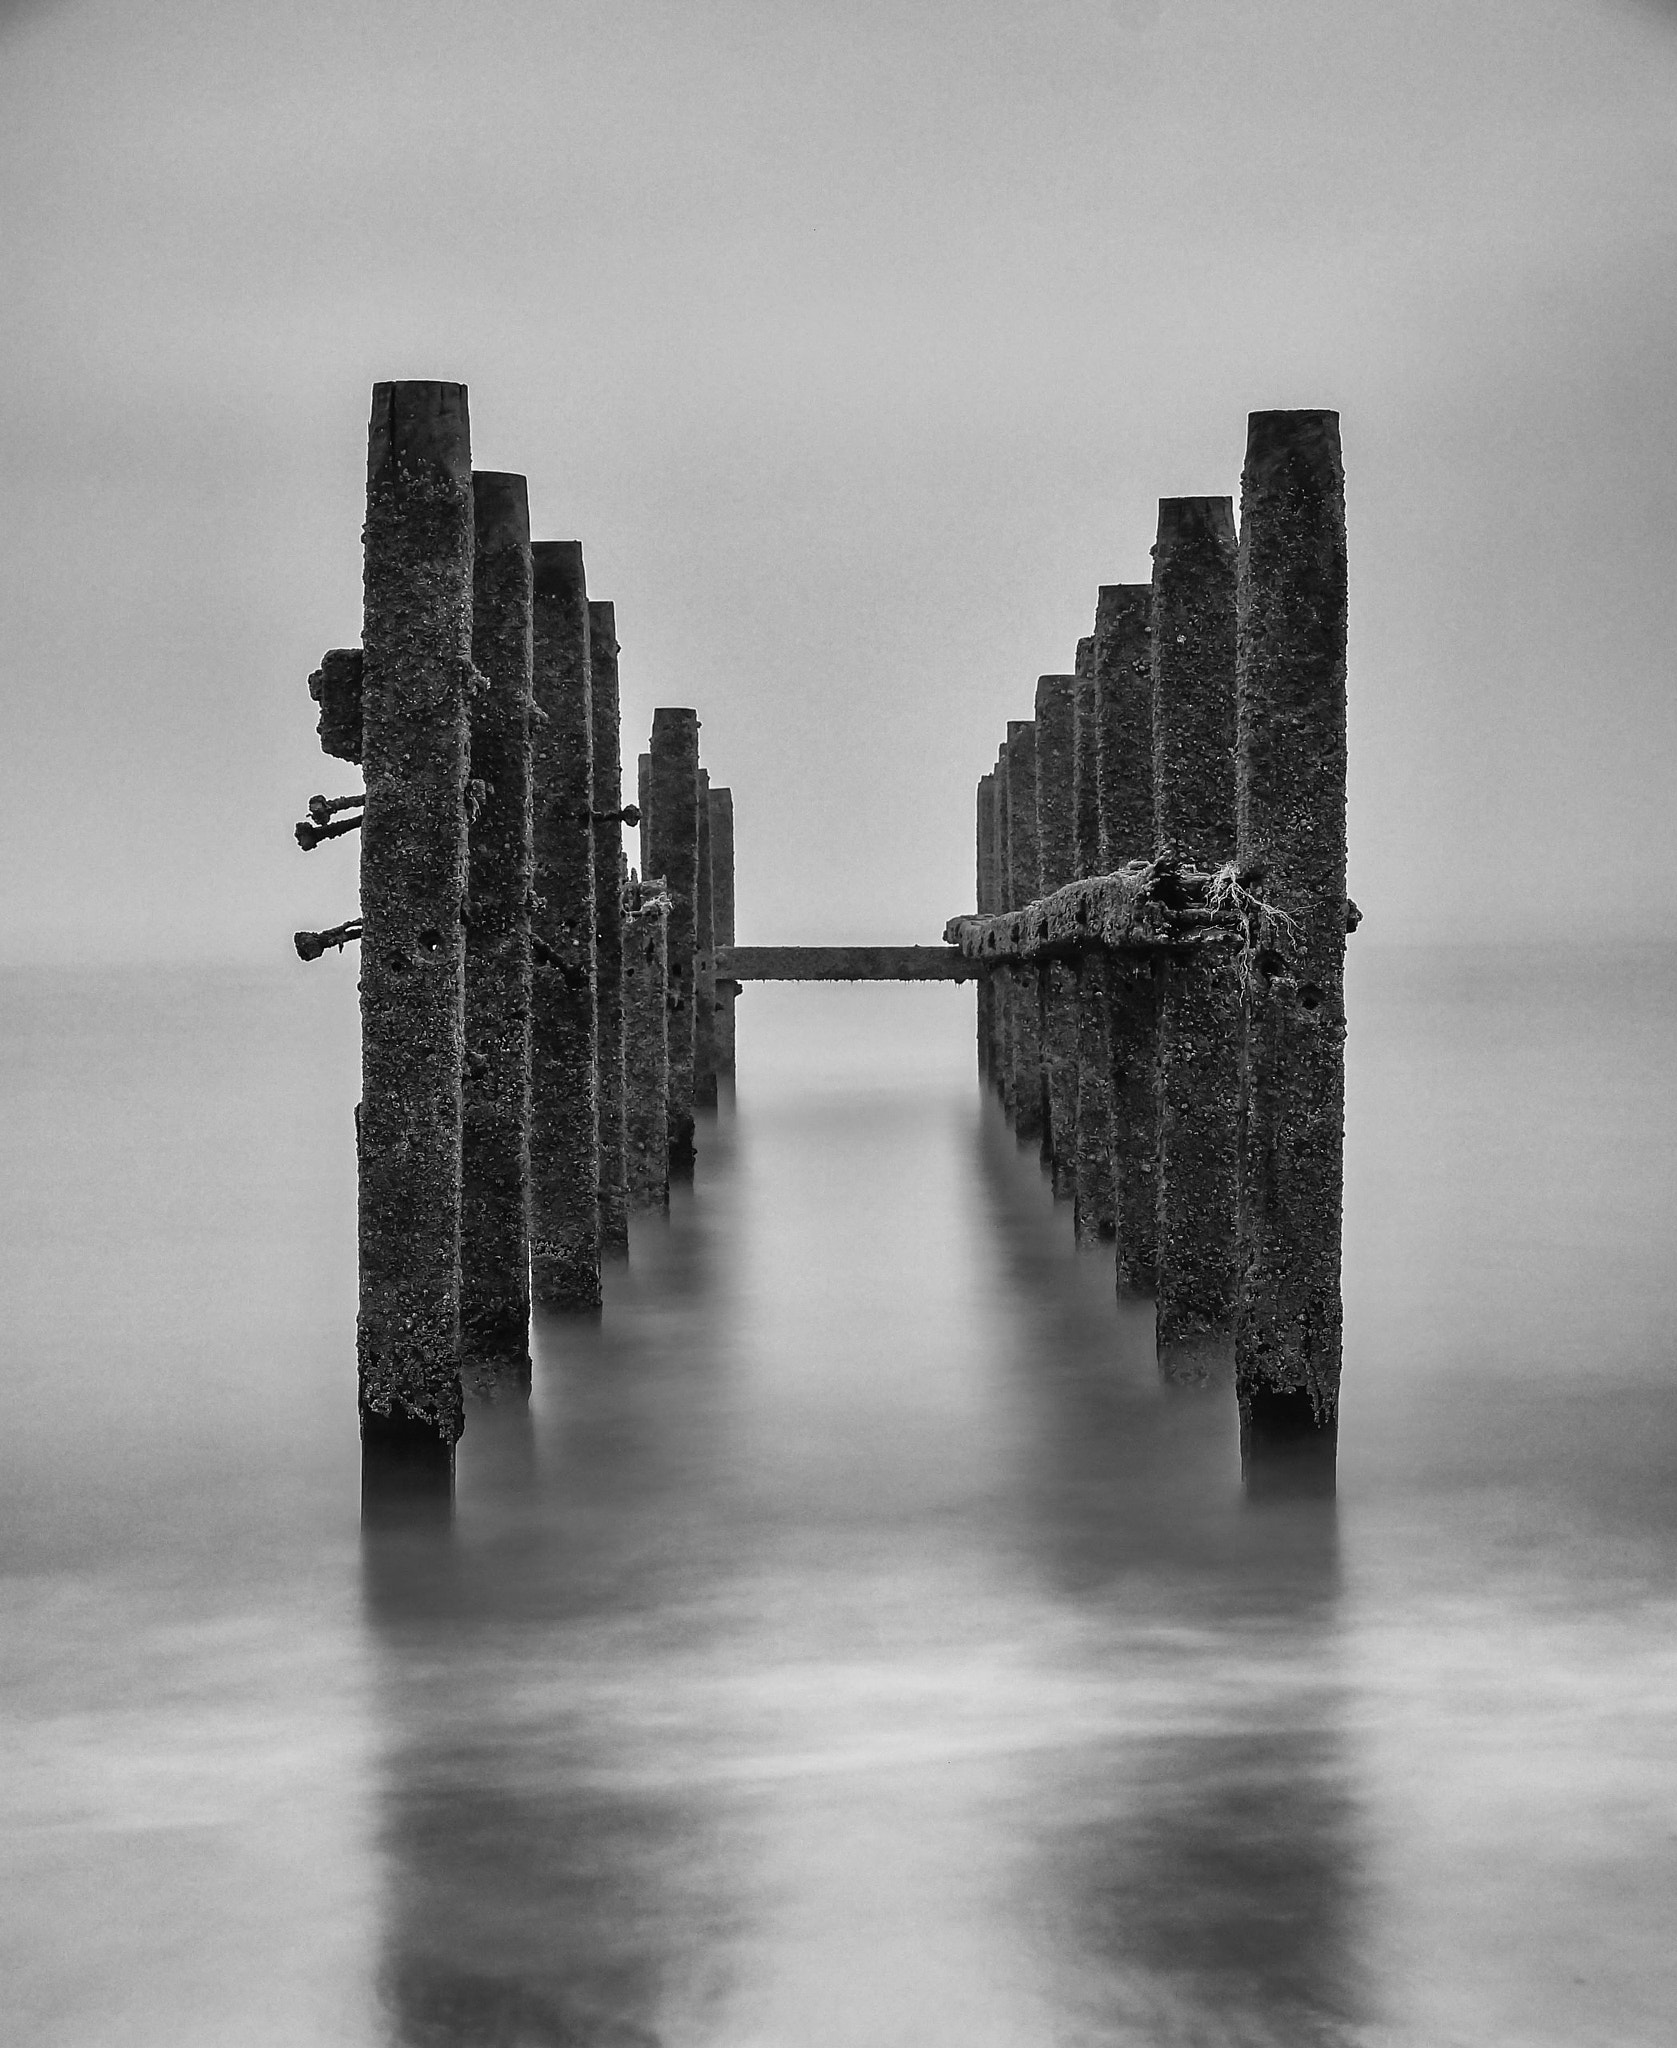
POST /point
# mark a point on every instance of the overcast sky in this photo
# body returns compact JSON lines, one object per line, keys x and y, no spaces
{"x":857,"y":342}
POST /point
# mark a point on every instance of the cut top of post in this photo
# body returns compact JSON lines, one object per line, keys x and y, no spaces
{"x":1023,"y":859}
{"x":419,"y":428}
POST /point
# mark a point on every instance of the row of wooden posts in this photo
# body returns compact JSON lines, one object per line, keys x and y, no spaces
{"x":1161,"y":894}
{"x":538,"y":1024}
{"x":1158,"y":940}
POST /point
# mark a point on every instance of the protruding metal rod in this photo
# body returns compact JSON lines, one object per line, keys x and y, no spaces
{"x":564,"y":1117}
{"x":310,"y":945}
{"x":417,"y":642}
{"x":309,"y":835}
{"x":1193,"y":659}
{"x":323,"y":807}
{"x":1290,"y":809}
{"x":495,"y":1138}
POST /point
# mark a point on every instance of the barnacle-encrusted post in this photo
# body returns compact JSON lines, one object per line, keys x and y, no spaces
{"x":564,"y":1120}
{"x":608,"y":928}
{"x":1193,"y":641}
{"x":417,"y":642}
{"x":1290,"y":810}
{"x":1002,"y":981}
{"x":1092,"y":1211}
{"x":1024,"y":885}
{"x":1124,"y":692}
{"x":704,"y":961}
{"x":673,"y":854}
{"x":722,"y":904}
{"x":495,"y":1083}
{"x":646,"y":1065}
{"x":985,"y":879}
{"x":1056,"y":738}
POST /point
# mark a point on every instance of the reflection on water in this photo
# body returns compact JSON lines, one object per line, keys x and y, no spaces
{"x":852,"y":1643}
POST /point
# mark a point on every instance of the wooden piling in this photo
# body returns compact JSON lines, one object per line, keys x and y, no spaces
{"x":608,"y":928}
{"x":1002,"y":982}
{"x":417,"y":648}
{"x":495,"y":1079}
{"x":643,"y":802}
{"x":985,"y":898}
{"x":1056,"y":739}
{"x":647,"y":1044}
{"x":564,"y":1115}
{"x":1124,"y":687}
{"x":704,"y":961}
{"x":1024,"y":884}
{"x":722,"y":901}
{"x":1092,"y":1184}
{"x":1290,"y":812}
{"x":673,"y":854}
{"x":1193,"y":663}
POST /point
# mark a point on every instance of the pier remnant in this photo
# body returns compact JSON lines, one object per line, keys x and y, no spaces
{"x":646,"y":1063}
{"x":1124,"y":691}
{"x":986,"y":880}
{"x":1056,"y":740}
{"x":704,"y":961}
{"x":564,"y":1116}
{"x":495,"y":1080}
{"x":417,"y":664}
{"x":1093,"y":1215}
{"x":608,"y":928}
{"x":722,"y":902}
{"x":1024,"y":981}
{"x":1193,"y":639}
{"x":1290,"y":813}
{"x":673,"y":855}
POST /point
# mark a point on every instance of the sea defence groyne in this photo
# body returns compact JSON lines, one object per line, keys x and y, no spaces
{"x":1157,"y":940}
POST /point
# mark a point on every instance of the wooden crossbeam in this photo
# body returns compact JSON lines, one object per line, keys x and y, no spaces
{"x":844,"y":963}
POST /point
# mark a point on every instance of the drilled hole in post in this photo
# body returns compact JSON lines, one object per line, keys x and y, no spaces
{"x":430,"y":940}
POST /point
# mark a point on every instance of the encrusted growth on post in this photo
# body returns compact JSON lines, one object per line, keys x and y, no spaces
{"x":495,"y":1085}
{"x":1290,"y":809}
{"x":1056,"y":741}
{"x":1025,"y":1090}
{"x":417,"y":637}
{"x":564,"y":1121}
{"x":1193,"y":635}
{"x":1092,"y":1184}
{"x":608,"y":929}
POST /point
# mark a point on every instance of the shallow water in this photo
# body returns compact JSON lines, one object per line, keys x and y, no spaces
{"x":851,"y":1644}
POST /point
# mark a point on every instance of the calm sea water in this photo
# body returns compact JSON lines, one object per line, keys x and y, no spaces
{"x":852,"y":1645}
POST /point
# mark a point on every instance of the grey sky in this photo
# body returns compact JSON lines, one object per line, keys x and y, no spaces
{"x":857,"y":343}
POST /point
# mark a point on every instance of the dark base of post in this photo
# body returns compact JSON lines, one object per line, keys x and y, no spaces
{"x":407,"y":1469}
{"x":683,"y":1149}
{"x":565,"y":1280}
{"x":501,"y":1375}
{"x":1287,"y":1451}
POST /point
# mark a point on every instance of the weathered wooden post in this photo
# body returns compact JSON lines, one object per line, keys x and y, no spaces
{"x":1124,"y":683}
{"x":1290,"y":808}
{"x":417,"y":663}
{"x":1092,"y":1190}
{"x":722,"y":902}
{"x":1056,"y":739}
{"x":643,"y":799}
{"x":1003,"y":980}
{"x":1024,"y":885}
{"x":608,"y":928}
{"x":1193,"y":640}
{"x":495,"y":1082}
{"x":985,"y":899}
{"x":704,"y":962}
{"x":673,"y":855}
{"x":564,"y":1117}
{"x":647,"y":1043}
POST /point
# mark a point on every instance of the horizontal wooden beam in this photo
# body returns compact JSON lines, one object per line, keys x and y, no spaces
{"x":844,"y":963}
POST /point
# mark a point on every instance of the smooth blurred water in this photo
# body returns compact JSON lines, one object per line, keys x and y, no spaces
{"x":852,"y":1645}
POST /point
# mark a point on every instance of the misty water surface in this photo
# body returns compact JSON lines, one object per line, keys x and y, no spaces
{"x":851,"y":1645}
